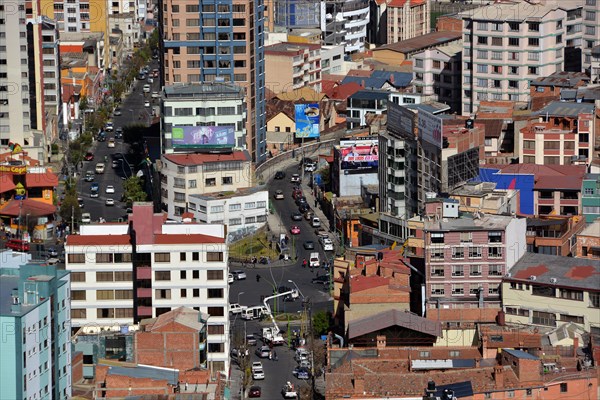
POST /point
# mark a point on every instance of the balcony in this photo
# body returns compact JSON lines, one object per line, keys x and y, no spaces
{"x":545,"y":202}
{"x":144,"y":292}
{"x":144,"y":273}
{"x":145,"y":311}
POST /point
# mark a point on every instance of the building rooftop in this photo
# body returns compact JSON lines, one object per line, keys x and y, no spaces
{"x":305,"y":94}
{"x":155,"y":373}
{"x":290,"y":49}
{"x":565,"y":109}
{"x":370,"y":94}
{"x":451,"y":49}
{"x":181,"y":315}
{"x":343,"y":91}
{"x":209,"y":90}
{"x":467,"y":222}
{"x":580,"y":273}
{"x":421,"y":42}
{"x":389,"y":318}
{"x":519,"y":11}
{"x":566,"y":177}
{"x":561,"y":79}
{"x":475,"y":189}
{"x":207,"y":158}
{"x":520,"y":354}
{"x":432,"y":107}
{"x":592,"y":229}
{"x":227,"y":195}
{"x":493,"y":127}
{"x":99,"y":240}
{"x":495,"y":110}
{"x":7,"y":284}
{"x":591,"y":177}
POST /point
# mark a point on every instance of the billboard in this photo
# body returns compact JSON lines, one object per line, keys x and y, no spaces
{"x":430,"y":128}
{"x":359,"y":156}
{"x":199,"y":137}
{"x":463,"y":167}
{"x":307,"y":120}
{"x":400,"y":121}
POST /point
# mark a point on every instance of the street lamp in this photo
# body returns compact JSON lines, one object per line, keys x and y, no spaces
{"x":239,"y":294}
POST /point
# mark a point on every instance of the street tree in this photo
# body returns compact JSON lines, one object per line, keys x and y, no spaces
{"x":69,"y":208}
{"x":321,"y":322}
{"x":133,"y":190}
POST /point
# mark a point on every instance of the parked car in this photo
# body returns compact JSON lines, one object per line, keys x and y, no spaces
{"x":258,"y":374}
{"x":89,"y":176}
{"x":309,"y":215}
{"x":155,"y":95}
{"x":21,"y":245}
{"x":295,"y":178}
{"x":119,"y":133}
{"x":279,"y":195}
{"x":251,"y":340}
{"x":111,"y":142}
{"x":309,"y":245}
{"x":99,"y":168}
{"x":254,"y":392}
{"x":109,"y":202}
{"x":80,"y":202}
{"x":52,"y":252}
{"x":89,"y":156}
{"x":326,"y":243}
{"x":230,"y":278}
{"x":86,"y":218}
{"x":300,"y":200}
{"x":295,"y":230}
{"x":110,"y":189}
{"x":296,"y":216}
{"x":321,"y":280}
{"x":146,"y":88}
{"x":146,"y":103}
{"x":304,"y":207}
{"x":263,"y":352}
{"x":117,"y":111}
{"x":235,"y":308}
{"x":256,"y":365}
{"x":301,"y":373}
{"x":320,"y":232}
{"x":279,"y":175}
{"x":238,"y":275}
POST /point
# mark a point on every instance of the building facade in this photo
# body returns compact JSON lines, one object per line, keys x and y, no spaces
{"x":205,"y":104}
{"x":290,"y":66}
{"x":183,"y":175}
{"x":215,"y":41}
{"x":35,"y":318}
{"x":467,"y":256}
{"x":588,"y":241}
{"x":345,"y":23}
{"x":407,"y":19}
{"x":550,"y":291}
{"x":123,"y":273}
{"x":521,"y":42}
{"x":363,"y":102}
{"x":590,"y":200}
{"x":590,"y":30}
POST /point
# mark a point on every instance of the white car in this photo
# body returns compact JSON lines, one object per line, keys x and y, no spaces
{"x":155,"y":95}
{"x":295,"y":178}
{"x":110,"y":189}
{"x":235,"y":308}
{"x":256,"y":365}
{"x":258,"y":374}
{"x":238,"y":275}
{"x":146,"y":88}
{"x":279,"y":195}
{"x":109,"y":202}
{"x":111,"y":142}
{"x":327,"y":244}
{"x":86,"y":218}
{"x":146,"y":103}
{"x":230,"y":278}
{"x":150,"y":79}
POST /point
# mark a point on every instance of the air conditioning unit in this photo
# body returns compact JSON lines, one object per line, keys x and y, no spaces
{"x":532,"y":278}
{"x":553,"y":280}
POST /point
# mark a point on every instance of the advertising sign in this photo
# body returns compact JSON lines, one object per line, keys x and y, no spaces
{"x":194,"y":137}
{"x":400,"y":121}
{"x":430,"y":128}
{"x":307,"y":120}
{"x":361,"y":156}
{"x":13,"y":169}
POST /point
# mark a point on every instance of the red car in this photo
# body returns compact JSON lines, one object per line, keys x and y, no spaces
{"x":89,"y":156}
{"x":17,"y":245}
{"x":254,"y":392}
{"x":295,"y":230}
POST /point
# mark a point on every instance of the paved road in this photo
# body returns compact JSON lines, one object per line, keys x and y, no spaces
{"x":132,"y":107}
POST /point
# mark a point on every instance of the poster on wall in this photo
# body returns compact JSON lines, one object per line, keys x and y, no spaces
{"x":198,"y":137}
{"x":307,"y":121}
{"x":361,"y":156}
{"x":430,"y":128}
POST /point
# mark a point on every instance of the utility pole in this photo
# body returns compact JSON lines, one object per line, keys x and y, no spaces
{"x":72,"y":219}
{"x":311,"y":346}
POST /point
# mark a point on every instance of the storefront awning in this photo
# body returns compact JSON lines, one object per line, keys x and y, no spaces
{"x":34,"y":208}
{"x":6,"y":183}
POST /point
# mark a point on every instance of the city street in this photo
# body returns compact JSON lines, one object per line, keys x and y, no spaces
{"x":132,"y":107}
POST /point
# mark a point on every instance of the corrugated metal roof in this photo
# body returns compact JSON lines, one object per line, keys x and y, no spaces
{"x":389,"y":318}
{"x":520,"y":354}
{"x":170,"y":375}
{"x":566,"y":109}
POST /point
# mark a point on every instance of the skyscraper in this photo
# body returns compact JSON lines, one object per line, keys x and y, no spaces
{"x":210,"y":40}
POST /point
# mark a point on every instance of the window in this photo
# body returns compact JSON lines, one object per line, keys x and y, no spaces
{"x":495,"y":270}
{"x":571,"y":294}
{"x":77,"y":276}
{"x":495,"y":252}
{"x":482,"y":26}
{"x":437,"y":289}
{"x":513,"y":84}
{"x":595,"y":299}
{"x":122,"y":257}
{"x":216,"y":347}
{"x":474,"y":252}
{"x":217,"y":209}
{"x":78,"y":294}
{"x":182,"y":257}
{"x":437,"y":254}
{"x":104,"y":258}
{"x":235,"y":207}
{"x":546,"y":291}
{"x":482,"y":83}
{"x":497,"y":55}
{"x":510,"y":394}
{"x":564,"y":388}
{"x":214,"y":275}
{"x":482,"y":40}
{"x":123,"y":294}
{"x":494,"y":288}
{"x":495,"y":237}
{"x":210,"y":182}
{"x":216,"y":329}
{"x":482,"y":68}
{"x":513,"y":42}
{"x":458,"y":290}
{"x":76,"y":258}
{"x":474,"y":289}
{"x":215,"y":293}
{"x":514,"y":26}
{"x":216,"y":311}
{"x":496,"y":41}
{"x":162,"y":275}
{"x":437,"y":270}
{"x":214,"y":256}
{"x":250,"y":206}
{"x":78,"y":313}
{"x":534,"y":41}
{"x":105,"y":313}
{"x":577,"y":319}
{"x":437,"y":238}
{"x":424,"y":354}
{"x":534,"y":26}
{"x":475,"y":270}
{"x":497,"y":26}
{"x":105,"y":295}
{"x":162,"y":294}
{"x":558,"y":39}
{"x":482,"y":54}
{"x":458,"y":253}
{"x":227,"y":180}
{"x":104,"y":277}
{"x":458,"y":270}
{"x":162,"y":257}
{"x":418,"y":63}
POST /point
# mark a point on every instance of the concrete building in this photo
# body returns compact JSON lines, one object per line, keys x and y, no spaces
{"x":183,"y":175}
{"x":588,"y":241}
{"x":466,"y":256}
{"x":243,"y":211}
{"x":437,"y":73}
{"x":205,"y":104}
{"x":355,"y":165}
{"x":486,"y":198}
{"x":502,"y":55}
{"x":563,"y":135}
{"x":554,"y":235}
{"x":290,"y":66}
{"x":332,"y":60}
{"x":78,"y":15}
{"x":590,"y":201}
{"x":590,"y":30}
{"x":558,"y":191}
{"x":396,"y":53}
{"x":345,"y":23}
{"x":128,"y":24}
{"x":595,"y":64}
{"x":287,"y":15}
{"x":407,"y":19}
{"x":35,"y":318}
{"x":124,"y":273}
{"x":223,"y":42}
{"x":547,"y":89}
{"x":363,"y":102}
{"x":551,"y":290}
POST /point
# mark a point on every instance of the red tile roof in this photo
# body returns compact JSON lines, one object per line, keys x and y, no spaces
{"x":401,"y":3}
{"x":205,"y":158}
{"x":6,"y":183}
{"x":46,"y":179}
{"x":550,"y":176}
{"x":535,"y":271}
{"x":194,"y":238}
{"x":342,"y":92}
{"x":359,"y":283}
{"x":98,"y":240}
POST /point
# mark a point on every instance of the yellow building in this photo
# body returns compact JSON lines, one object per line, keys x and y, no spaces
{"x":551,"y":291}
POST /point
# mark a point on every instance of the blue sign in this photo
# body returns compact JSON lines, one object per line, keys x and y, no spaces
{"x":307,"y":120}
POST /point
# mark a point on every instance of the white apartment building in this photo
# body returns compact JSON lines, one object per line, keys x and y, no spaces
{"x":183,"y":175}
{"x":506,"y":45}
{"x":243,"y":211}
{"x":591,"y":30}
{"x":332,"y":59}
{"x":204,"y":104}
{"x":437,"y":73}
{"x":345,"y":23}
{"x":407,"y":19}
{"x":123,"y":273}
{"x":129,"y":26}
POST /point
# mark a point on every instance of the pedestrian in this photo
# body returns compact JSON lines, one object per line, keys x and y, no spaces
{"x":257,"y":278}
{"x":275,"y":355}
{"x":270,"y":355}
{"x":304,"y":263}
{"x":315,"y":203}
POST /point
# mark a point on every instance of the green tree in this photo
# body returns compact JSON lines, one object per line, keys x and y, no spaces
{"x":69,"y":208}
{"x":321,"y":322}
{"x":133,"y":191}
